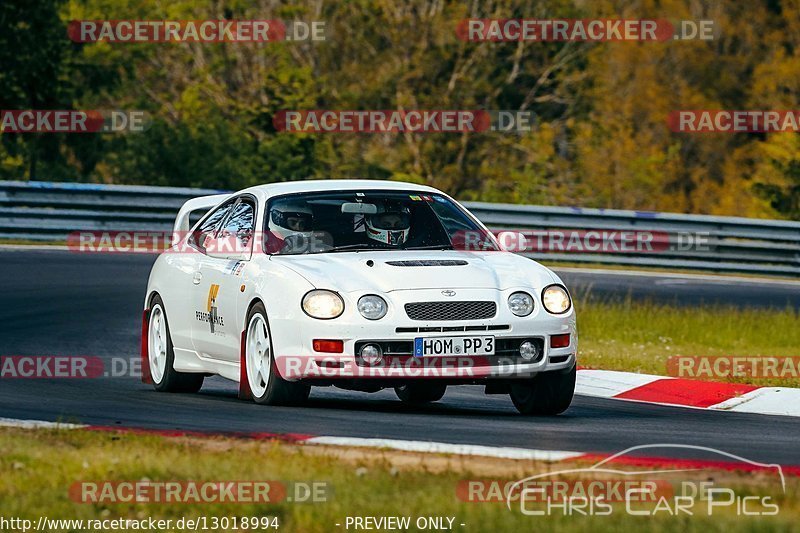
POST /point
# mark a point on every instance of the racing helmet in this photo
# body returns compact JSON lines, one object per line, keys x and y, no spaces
{"x":289,"y":218}
{"x":390,"y":224}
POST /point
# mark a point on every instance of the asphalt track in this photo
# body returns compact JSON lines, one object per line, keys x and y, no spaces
{"x":63,"y":303}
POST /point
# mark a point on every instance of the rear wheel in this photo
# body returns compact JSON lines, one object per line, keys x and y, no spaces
{"x":265,"y":382}
{"x":420,"y":393}
{"x":161,"y":355}
{"x":547,"y":394}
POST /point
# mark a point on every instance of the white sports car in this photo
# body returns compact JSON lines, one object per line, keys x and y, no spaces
{"x":360,"y":284}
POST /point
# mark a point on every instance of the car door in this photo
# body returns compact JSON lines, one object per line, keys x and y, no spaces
{"x":201,"y":239}
{"x":217,"y":333}
{"x":178,"y":285}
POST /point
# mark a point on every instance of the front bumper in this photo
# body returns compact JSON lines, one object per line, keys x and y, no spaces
{"x":296,"y":359}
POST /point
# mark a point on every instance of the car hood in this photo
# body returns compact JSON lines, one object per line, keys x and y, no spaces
{"x":350,"y":271}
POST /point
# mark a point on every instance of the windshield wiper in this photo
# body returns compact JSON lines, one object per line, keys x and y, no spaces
{"x":354,"y":248}
{"x":368,"y":248}
{"x":431,"y":247}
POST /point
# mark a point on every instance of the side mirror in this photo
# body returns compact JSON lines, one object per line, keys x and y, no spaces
{"x":512,"y":241}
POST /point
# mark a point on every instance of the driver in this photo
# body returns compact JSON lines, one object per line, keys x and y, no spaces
{"x":292,"y":222}
{"x":390,"y":225}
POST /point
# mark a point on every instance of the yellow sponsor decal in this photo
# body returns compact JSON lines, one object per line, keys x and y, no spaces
{"x":213,"y":292}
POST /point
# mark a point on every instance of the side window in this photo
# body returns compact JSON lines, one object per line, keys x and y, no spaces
{"x":208,"y":227}
{"x":238,"y":227}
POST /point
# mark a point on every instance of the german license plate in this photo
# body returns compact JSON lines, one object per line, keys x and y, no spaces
{"x":450,"y":346}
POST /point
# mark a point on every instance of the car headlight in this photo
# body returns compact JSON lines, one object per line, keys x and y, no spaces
{"x":323,"y":304}
{"x":372,"y":307}
{"x":520,"y":303}
{"x":556,"y":299}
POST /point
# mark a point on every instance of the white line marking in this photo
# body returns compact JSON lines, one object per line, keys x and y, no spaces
{"x":32,"y":247}
{"x":37,"y":424}
{"x":442,"y":447}
{"x":766,"y":400}
{"x":609,"y":383}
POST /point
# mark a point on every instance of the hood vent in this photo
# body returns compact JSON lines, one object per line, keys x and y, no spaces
{"x":428,"y":263}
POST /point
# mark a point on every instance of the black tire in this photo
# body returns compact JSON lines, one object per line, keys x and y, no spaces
{"x":547,"y":394}
{"x":420,"y":393}
{"x":172,"y":380}
{"x":278,"y":391}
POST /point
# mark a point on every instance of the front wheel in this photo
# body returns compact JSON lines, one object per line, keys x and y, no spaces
{"x":161,"y":355}
{"x":547,"y":394}
{"x":420,"y":393}
{"x":266,"y":384}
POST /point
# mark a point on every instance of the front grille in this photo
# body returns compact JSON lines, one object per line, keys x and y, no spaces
{"x":451,"y":310}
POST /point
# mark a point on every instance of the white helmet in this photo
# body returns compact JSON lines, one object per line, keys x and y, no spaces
{"x":288,"y":218}
{"x":390,"y":225}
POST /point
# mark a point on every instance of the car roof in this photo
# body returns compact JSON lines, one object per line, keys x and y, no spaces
{"x":288,"y":187}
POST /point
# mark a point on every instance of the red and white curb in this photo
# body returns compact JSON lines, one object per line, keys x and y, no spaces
{"x":681,"y":392}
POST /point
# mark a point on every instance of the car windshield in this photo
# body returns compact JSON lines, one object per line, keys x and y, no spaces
{"x":333,"y":222}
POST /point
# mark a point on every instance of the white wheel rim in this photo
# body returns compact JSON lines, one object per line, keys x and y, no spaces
{"x":258,"y":356}
{"x":157,"y":343}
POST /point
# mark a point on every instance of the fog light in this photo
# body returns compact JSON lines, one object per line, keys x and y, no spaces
{"x":371,"y":354}
{"x":528,"y":351}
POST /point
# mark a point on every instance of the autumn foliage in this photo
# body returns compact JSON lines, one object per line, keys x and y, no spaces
{"x":600,"y":138}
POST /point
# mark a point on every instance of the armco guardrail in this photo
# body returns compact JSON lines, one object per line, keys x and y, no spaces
{"x":725,"y":244}
{"x":41,"y":211}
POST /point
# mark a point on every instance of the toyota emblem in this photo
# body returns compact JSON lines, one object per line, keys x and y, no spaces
{"x":448,"y":292}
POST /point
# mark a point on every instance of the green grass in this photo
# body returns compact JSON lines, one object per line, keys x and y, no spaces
{"x":37,"y":469}
{"x":640,"y":336}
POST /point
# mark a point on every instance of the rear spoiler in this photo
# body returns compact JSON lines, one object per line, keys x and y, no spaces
{"x":205,"y":203}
